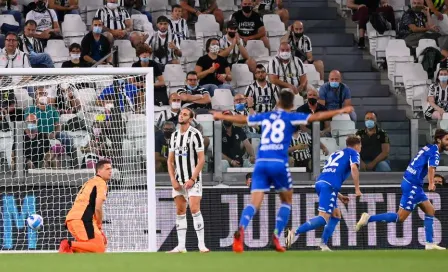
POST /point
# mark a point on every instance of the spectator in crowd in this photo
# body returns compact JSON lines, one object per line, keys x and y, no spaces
{"x":232,"y":47}
{"x":300,"y":150}
{"x":138,"y":37}
{"x":363,"y":9}
{"x":129,"y":6}
{"x":75,"y":58}
{"x":191,"y":9}
{"x":286,"y":71}
{"x":144,"y":52}
{"x":63,"y":7}
{"x":193,"y":96}
{"x":95,"y":46}
{"x":248,"y":179}
{"x":415,"y":25}
{"x":98,"y":147}
{"x":11,"y":56}
{"x":162,"y":142}
{"x":250,"y":24}
{"x":244,"y":106}
{"x":48,"y":123}
{"x":178,"y":25}
{"x":116,"y":20}
{"x":234,"y":146}
{"x":164,"y":46}
{"x":121,"y":92}
{"x":375,"y":145}
{"x":47,"y":22}
{"x":438,"y":97}
{"x":172,"y":113}
{"x":212,"y":69}
{"x":311,"y":107}
{"x":301,"y":46}
{"x":36,"y":147}
{"x":263,"y":93}
{"x":11,"y":7}
{"x":440,"y":180}
{"x":65,"y":101}
{"x":436,"y":7}
{"x":33,"y":47}
{"x":263,"y":7}
{"x":141,"y":5}
{"x":334,"y":94}
{"x":8,"y":104}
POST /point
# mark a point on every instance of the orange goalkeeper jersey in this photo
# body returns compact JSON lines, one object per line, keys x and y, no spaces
{"x":84,"y":205}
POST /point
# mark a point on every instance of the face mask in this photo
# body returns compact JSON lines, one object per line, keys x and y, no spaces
{"x":144,"y":59}
{"x":312,"y":101}
{"x":231,"y":34}
{"x":109,"y":106}
{"x":43,"y":100}
{"x":240,"y":107}
{"x":370,"y":124}
{"x":227,"y":123}
{"x":334,"y":84}
{"x":31,"y":126}
{"x":443,"y":78}
{"x":214,"y":49}
{"x":41,"y":6}
{"x":162,"y":32}
{"x":191,"y":87}
{"x":298,"y":35}
{"x":418,"y":8}
{"x":175,"y":105}
{"x":247,"y":9}
{"x":167,"y":134}
{"x":96,"y":131}
{"x":75,"y":56}
{"x":112,"y":5}
{"x":97,"y":29}
{"x":285,"y":55}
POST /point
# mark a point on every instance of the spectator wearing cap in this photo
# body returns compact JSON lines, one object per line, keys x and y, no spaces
{"x":191,"y":9}
{"x":116,"y":20}
{"x":235,"y":145}
{"x":232,"y":47}
{"x":311,"y":107}
{"x":94,"y":45}
{"x":334,"y":94}
{"x":192,"y":95}
{"x":75,"y":58}
{"x":165,"y":45}
{"x":250,"y":24}
{"x":34,"y":47}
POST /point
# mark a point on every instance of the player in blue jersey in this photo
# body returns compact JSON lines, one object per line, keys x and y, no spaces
{"x":424,"y":163}
{"x":336,"y":170}
{"x":271,"y":167}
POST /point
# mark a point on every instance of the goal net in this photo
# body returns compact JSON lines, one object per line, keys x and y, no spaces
{"x":55,"y":125}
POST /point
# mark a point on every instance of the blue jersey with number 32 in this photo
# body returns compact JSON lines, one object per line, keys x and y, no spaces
{"x":338,"y":167}
{"x":277,"y":128}
{"x":417,"y":170}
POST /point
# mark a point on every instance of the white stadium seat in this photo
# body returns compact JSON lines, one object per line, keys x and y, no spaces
{"x":222,"y":100}
{"x":87,"y":97}
{"x":298,"y":101}
{"x":126,"y":53}
{"x":205,"y":28}
{"x":6,"y":143}
{"x":397,"y":52}
{"x":274,"y":26}
{"x":341,"y":117}
{"x":8,"y":19}
{"x":422,"y":45}
{"x":190,"y":54}
{"x":174,"y":76}
{"x":416,"y":85}
{"x":206,"y":121}
{"x":23,"y":100}
{"x":57,"y":51}
{"x":258,"y":51}
{"x":241,"y":77}
{"x":141,"y":23}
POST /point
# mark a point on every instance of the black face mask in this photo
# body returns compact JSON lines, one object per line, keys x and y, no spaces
{"x":247,"y":9}
{"x":312,"y":101}
{"x":227,"y":124}
{"x":167,"y":134}
{"x":40,"y":6}
{"x":298,"y":35}
{"x":231,"y":34}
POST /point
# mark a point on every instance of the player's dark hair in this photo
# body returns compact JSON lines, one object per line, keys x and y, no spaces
{"x":175,"y":6}
{"x":352,"y":140}
{"x":209,"y":41}
{"x":286,"y":99}
{"x":100,"y":164}
{"x":439,"y":134}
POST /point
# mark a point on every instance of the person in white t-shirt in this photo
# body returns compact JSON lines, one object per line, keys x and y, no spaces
{"x":47,"y":22}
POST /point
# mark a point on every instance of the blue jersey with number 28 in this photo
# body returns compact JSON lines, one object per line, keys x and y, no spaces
{"x":277,"y":128}
{"x":417,"y":169}
{"x":338,"y":167}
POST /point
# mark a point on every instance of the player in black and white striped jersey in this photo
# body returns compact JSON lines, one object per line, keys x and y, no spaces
{"x":264,"y":94}
{"x":185,"y":162}
{"x":178,"y":25}
{"x":116,"y":20}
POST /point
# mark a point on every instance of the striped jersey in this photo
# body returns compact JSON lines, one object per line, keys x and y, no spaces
{"x":302,"y":154}
{"x":235,"y":54}
{"x":121,"y":2}
{"x":440,"y":96}
{"x":265,"y":98}
{"x":179,"y":28}
{"x":289,"y":72}
{"x":113,"y":19}
{"x":186,"y":147}
{"x":161,"y":52}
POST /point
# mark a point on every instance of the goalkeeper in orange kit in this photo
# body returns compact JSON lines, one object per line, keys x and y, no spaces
{"x":84,"y":220}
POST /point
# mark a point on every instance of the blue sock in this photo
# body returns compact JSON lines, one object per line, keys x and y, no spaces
{"x":384,"y":217}
{"x":329,"y":229}
{"x":314,"y":223}
{"x":282,"y":218}
{"x":247,"y":215}
{"x":429,"y":230}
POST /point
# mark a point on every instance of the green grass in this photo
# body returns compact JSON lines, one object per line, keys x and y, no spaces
{"x":307,"y":261}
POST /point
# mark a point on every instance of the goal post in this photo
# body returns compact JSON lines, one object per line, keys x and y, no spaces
{"x":61,"y":122}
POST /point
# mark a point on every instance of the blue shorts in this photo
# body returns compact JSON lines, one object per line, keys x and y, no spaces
{"x":412,"y":195}
{"x":267,"y":173}
{"x":328,"y":197}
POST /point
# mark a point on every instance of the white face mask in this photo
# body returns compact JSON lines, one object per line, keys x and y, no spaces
{"x":109,"y":106}
{"x":175,"y":105}
{"x":214,"y":49}
{"x":285,"y":55}
{"x":162,"y":32}
{"x":112,"y":5}
{"x":75,"y":56}
{"x":43,"y":100}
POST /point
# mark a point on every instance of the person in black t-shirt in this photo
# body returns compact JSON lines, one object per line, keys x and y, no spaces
{"x":143,"y":52}
{"x":75,"y":55}
{"x":95,"y":45}
{"x":212,"y":69}
{"x":250,"y":24}
{"x":193,"y":96}
{"x":162,"y":142}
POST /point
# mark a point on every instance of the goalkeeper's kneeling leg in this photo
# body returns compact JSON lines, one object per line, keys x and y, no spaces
{"x":89,"y":238}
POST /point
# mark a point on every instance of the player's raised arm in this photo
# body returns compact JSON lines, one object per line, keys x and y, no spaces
{"x":325,"y":115}
{"x":239,"y":119}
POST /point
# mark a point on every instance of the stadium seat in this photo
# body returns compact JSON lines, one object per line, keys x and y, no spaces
{"x":222,"y":100}
{"x":158,"y":8}
{"x":312,"y":75}
{"x":258,"y":51}
{"x":443,"y":124}
{"x":6,"y":143}
{"x":134,"y":145}
{"x":191,"y":52}
{"x":126,"y":53}
{"x":57,"y":51}
{"x":90,"y":12}
{"x":341,"y":117}
{"x":241,"y":77}
{"x":174,"y":77}
{"x":330,"y":144}
{"x":416,"y":85}
{"x":23,"y":100}
{"x":274,"y":26}
{"x":298,"y":101}
{"x":396,"y":52}
{"x":141,"y":23}
{"x":73,"y":29}
{"x":378,"y":44}
{"x":422,"y":45}
{"x":63,"y":118}
{"x":206,"y":28}
{"x":275,"y":44}
{"x":342,"y":127}
{"x":206,"y":121}
{"x":227,"y":7}
{"x":8,"y":19}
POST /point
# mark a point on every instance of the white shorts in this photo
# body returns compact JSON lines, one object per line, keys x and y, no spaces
{"x":196,"y":190}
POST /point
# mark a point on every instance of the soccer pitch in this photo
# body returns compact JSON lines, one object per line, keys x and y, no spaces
{"x":309,"y":261}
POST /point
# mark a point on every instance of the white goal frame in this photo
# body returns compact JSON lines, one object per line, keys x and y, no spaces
{"x":149,"y":112}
